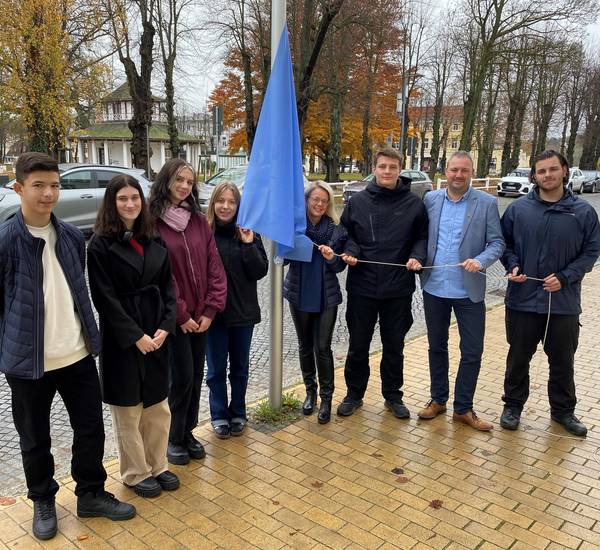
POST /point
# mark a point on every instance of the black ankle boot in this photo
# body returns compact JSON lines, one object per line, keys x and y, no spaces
{"x":324,"y":415}
{"x":310,"y":402}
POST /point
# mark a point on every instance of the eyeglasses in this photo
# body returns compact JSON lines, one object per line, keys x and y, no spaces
{"x":324,"y":202}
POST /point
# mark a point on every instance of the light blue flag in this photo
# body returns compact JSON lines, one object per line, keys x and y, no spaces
{"x":273,"y":198}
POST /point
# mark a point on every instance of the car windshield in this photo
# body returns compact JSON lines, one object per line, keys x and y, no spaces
{"x":236,"y":175}
{"x":524,"y":173}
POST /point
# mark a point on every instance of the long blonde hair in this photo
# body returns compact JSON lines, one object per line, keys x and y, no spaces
{"x":330,"y":211}
{"x":219,"y":190}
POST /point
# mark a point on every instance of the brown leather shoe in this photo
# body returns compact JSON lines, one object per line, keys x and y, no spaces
{"x":471,"y":419}
{"x":431,"y":410}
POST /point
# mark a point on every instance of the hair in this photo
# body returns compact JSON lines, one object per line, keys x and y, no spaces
{"x":34,"y":162}
{"x":460,"y":155}
{"x":388,"y":152}
{"x":160,"y":194}
{"x":108,"y":221}
{"x":545,"y":155}
{"x":331,"y":212}
{"x":219,"y":190}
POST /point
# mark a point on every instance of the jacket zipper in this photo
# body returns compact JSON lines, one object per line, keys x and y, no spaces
{"x":372,"y":230}
{"x":39,"y":349}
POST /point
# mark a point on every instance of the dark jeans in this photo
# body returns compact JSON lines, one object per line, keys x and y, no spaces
{"x":315,"y":331}
{"x":235,"y":343}
{"x":470,"y":317}
{"x":187,"y":370}
{"x":79,"y":388}
{"x":395,"y":320}
{"x":524,"y":331}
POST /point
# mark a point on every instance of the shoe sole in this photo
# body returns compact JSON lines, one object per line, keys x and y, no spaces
{"x":223,"y":436}
{"x":324,"y":420}
{"x":509,"y":426}
{"x":178,"y":461}
{"x":431,"y":417}
{"x":45,"y":536}
{"x":237,"y":434}
{"x":349,"y":413}
{"x":307,"y":412}
{"x":107,"y":516}
{"x":403,"y":416}
{"x":473,"y":427}
{"x":169,"y":486}
{"x":198,"y":456}
{"x":147,"y":494}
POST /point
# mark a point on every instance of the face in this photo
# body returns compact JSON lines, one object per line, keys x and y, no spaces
{"x":317,"y":203}
{"x":129,"y":205}
{"x":459,"y":173}
{"x":39,"y":192}
{"x":226,"y":206}
{"x":387,"y":171}
{"x":182,"y":187}
{"x":549,"y":174}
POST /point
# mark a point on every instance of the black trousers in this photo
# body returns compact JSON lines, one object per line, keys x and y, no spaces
{"x":395,"y":320}
{"x":315,"y":331}
{"x":79,"y":388}
{"x":186,"y":368}
{"x":524,"y":331}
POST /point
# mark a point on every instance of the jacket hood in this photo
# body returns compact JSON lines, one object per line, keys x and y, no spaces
{"x":402,"y":186}
{"x":565,"y":203}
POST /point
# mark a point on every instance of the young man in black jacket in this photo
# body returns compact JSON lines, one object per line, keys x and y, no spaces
{"x":47,"y":338}
{"x":551,"y":235}
{"x":385,"y":223}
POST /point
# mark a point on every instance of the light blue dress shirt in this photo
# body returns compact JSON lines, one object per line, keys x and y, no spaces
{"x":448,"y":282}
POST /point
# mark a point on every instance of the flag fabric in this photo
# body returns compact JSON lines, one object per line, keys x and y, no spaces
{"x":273,"y":196}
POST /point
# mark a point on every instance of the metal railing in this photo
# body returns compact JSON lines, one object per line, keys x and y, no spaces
{"x":486,"y":183}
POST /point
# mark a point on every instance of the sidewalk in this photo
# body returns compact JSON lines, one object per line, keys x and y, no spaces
{"x":372,"y":481}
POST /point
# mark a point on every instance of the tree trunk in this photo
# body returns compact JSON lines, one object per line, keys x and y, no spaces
{"x":170,"y":108}
{"x":248,"y":99}
{"x":335,"y":130}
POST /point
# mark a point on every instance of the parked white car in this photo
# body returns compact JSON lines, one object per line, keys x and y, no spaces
{"x":576,"y":180}
{"x":517,"y":182}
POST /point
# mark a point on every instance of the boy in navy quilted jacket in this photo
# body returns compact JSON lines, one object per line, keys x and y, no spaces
{"x":47,"y":338}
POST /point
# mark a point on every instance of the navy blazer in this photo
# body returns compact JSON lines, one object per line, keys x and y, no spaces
{"x":481,"y":237}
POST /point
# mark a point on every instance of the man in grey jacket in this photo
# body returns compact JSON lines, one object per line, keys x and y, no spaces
{"x":464,"y":238}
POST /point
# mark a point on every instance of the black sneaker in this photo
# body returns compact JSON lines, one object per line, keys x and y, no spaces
{"x":177,"y":454}
{"x":398,"y":408}
{"x":103,"y":505}
{"x":510,"y":418}
{"x":147,"y":488}
{"x":222,"y":431}
{"x":44,"y":519}
{"x":237,"y":427}
{"x":194,"y":447}
{"x":572,"y":424}
{"x":168,"y":481}
{"x":349,"y":406}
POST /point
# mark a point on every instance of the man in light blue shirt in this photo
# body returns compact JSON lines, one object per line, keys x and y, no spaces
{"x":464,"y":238}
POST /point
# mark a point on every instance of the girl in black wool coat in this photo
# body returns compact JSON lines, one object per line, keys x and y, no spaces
{"x":230,"y":335}
{"x":130,"y":280}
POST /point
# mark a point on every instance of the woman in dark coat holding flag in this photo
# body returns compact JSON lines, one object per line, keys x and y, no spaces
{"x":313,"y":292}
{"x":130,"y":280}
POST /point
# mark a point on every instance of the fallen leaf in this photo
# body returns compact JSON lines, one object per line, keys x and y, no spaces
{"x":82,"y":537}
{"x":7,"y":501}
{"x":398,"y":471}
{"x":535,"y":386}
{"x":376,"y":455}
{"x":275,"y":502}
{"x":401,"y":479}
{"x":435,"y":504}
{"x":317,"y":484}
{"x":292,"y":533}
{"x":486,"y":453}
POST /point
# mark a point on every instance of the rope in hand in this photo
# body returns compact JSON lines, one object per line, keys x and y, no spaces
{"x":536,"y":369}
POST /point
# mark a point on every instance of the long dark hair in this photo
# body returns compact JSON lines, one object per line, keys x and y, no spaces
{"x":108,"y":221}
{"x":160,"y":194}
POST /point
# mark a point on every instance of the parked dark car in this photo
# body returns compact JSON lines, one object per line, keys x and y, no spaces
{"x":81,"y":192}
{"x":591,"y":184}
{"x":420,"y":184}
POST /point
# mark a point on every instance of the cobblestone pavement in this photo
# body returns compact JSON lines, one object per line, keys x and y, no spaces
{"x":11,"y":475}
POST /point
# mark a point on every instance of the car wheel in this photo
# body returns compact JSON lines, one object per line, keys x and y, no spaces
{"x":594,"y":188}
{"x":501,"y":194}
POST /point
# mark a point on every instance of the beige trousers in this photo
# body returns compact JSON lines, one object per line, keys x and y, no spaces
{"x":142,"y":435}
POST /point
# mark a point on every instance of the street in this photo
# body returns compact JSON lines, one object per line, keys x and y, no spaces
{"x":10,"y":460}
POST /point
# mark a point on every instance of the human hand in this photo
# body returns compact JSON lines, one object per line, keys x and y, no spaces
{"x":350,"y":260}
{"x":145,"y":344}
{"x":326,"y":251}
{"x":190,"y":326}
{"x":413,"y":264}
{"x":551,"y":283}
{"x":204,"y":323}
{"x":471,"y":265}
{"x":515,"y":277}
{"x":246,"y":235}
{"x":159,"y":337}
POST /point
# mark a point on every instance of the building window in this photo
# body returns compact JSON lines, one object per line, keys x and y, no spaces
{"x":454,"y":144}
{"x":426,"y":143}
{"x":455,"y":127}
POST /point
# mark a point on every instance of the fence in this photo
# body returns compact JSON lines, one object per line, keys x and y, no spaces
{"x":488,"y":183}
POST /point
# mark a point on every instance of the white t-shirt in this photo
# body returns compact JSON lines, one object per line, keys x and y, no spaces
{"x":63,"y":338}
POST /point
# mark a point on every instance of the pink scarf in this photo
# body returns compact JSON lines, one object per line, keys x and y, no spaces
{"x":177,"y":217}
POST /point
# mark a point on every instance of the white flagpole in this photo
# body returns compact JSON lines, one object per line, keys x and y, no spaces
{"x":276,"y":270}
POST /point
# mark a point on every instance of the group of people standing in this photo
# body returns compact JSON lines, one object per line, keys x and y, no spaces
{"x":172,"y":286}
